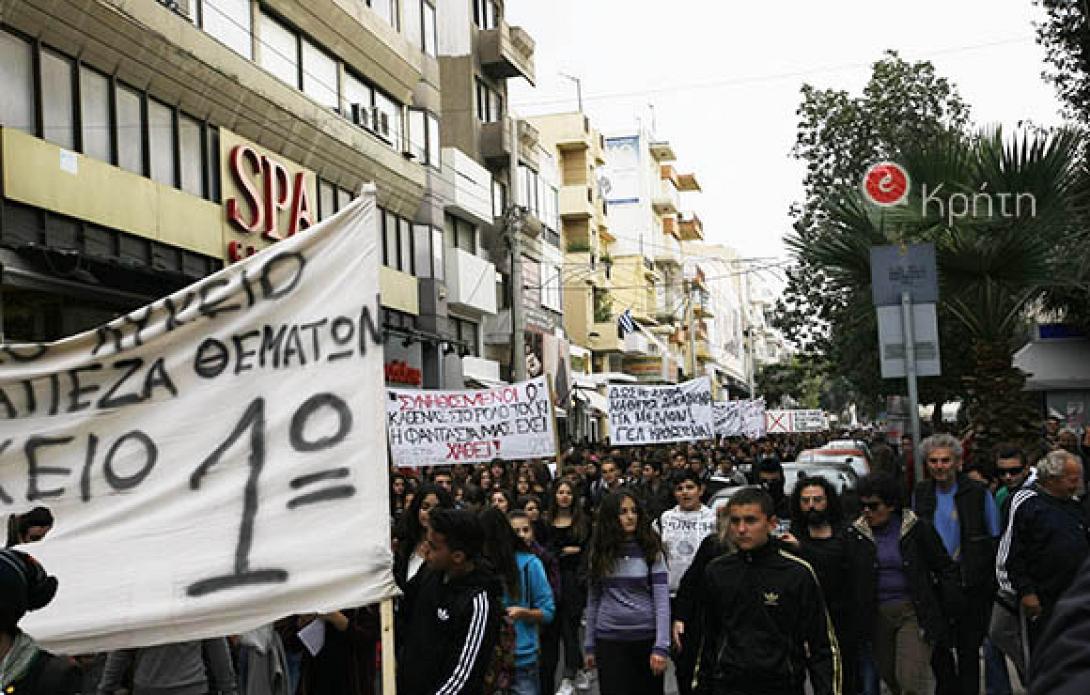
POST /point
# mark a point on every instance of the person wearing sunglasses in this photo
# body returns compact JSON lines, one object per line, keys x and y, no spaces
{"x":906,"y":585}
{"x":1003,"y":632}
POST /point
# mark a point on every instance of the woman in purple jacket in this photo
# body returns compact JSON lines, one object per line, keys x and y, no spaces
{"x":628,"y":605}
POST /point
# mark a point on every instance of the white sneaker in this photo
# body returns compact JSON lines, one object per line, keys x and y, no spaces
{"x":566,"y":687}
{"x":582,"y":680}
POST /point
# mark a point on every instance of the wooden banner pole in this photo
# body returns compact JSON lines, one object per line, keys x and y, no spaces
{"x":389,"y":670}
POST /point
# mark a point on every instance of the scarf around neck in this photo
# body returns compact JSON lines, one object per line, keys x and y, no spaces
{"x":17,"y":662}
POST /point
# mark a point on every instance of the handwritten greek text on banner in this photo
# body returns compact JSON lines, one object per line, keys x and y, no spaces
{"x":654,"y":414}
{"x":433,"y":427}
{"x":214,"y":460}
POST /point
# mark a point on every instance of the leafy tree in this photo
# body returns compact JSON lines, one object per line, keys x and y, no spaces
{"x":1065,"y":34}
{"x":1000,"y":213}
{"x":839,"y":136}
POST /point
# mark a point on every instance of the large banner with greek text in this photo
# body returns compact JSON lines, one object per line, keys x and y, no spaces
{"x":657,"y":414}
{"x":728,"y":418}
{"x":434,"y":427}
{"x":216,"y":459}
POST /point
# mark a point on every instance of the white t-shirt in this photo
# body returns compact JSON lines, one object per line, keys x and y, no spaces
{"x":682,"y":533}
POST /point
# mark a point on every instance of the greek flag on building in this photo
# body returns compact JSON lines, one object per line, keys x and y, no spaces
{"x":625,"y":324}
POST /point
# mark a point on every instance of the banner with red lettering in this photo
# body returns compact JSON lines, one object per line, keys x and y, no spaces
{"x":428,"y":428}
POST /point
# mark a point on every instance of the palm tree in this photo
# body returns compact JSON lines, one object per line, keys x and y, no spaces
{"x":1002,"y":213}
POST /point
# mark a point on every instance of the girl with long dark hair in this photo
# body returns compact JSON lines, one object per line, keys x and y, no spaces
{"x":526,"y":595}
{"x":409,"y":536}
{"x":567,"y":531}
{"x":628,"y":603}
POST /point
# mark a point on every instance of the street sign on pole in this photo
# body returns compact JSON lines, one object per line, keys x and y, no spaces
{"x":906,"y":276}
{"x":896,"y":269}
{"x":891,"y":341}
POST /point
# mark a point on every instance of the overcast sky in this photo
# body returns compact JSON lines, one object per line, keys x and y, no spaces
{"x":724,"y":79}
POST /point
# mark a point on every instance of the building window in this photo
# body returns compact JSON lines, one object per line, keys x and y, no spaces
{"x":405,"y":240}
{"x":388,"y":123}
{"x":422,"y":255}
{"x":16,"y":83}
{"x":228,"y":21}
{"x":424,"y":143}
{"x":212,"y":162}
{"x":94,"y":97}
{"x":463,"y":235}
{"x":529,"y":182}
{"x":531,"y":281}
{"x":319,"y":75}
{"x":431,"y":32}
{"x":279,"y":50}
{"x":489,"y":103}
{"x":499,"y":198}
{"x":161,"y":142}
{"x":437,"y":259}
{"x":327,"y":200}
{"x":343,"y":198}
{"x":191,"y":160}
{"x":485,"y":14}
{"x":551,"y":296}
{"x":130,"y":129}
{"x":390,"y":247}
{"x":387,"y":9}
{"x":467,"y":334}
{"x":58,"y":109}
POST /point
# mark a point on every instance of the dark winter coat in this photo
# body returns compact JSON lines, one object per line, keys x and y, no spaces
{"x":452,"y":626}
{"x":978,"y":546}
{"x":933,"y":578}
{"x":50,"y":675}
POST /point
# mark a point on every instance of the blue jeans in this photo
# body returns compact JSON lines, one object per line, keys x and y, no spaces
{"x":868,"y":671}
{"x":997,"y":681}
{"x":527,"y":680}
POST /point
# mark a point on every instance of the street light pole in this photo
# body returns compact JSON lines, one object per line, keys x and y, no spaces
{"x":578,"y":88}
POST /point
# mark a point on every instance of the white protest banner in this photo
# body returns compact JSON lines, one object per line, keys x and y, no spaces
{"x":795,"y":421}
{"x":753,"y":418}
{"x":778,"y":421}
{"x":809,"y":421}
{"x":728,"y":418}
{"x":434,"y":427}
{"x":655,"y":414}
{"x":214,"y":460}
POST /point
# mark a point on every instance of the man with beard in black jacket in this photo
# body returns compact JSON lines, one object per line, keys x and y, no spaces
{"x":453,"y":609}
{"x":765,"y":623}
{"x":818,"y":535}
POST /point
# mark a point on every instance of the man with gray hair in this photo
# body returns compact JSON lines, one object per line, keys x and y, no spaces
{"x":965,"y":515}
{"x":1045,"y":542}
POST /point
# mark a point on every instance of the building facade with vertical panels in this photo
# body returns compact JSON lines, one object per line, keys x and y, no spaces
{"x":128,"y":128}
{"x":478,"y":53}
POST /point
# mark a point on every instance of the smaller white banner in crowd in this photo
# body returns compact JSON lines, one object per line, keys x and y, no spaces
{"x":428,"y":428}
{"x":659,"y":414}
{"x":744,"y":418}
{"x":795,"y":421}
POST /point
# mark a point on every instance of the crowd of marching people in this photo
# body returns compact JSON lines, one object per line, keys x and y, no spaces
{"x":601,"y":568}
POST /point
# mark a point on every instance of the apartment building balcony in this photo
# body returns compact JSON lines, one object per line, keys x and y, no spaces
{"x":670,"y":226}
{"x":603,"y":337}
{"x":507,"y":51}
{"x":471,"y":282}
{"x":687,"y":183}
{"x":665,"y":198}
{"x":497,"y":328}
{"x":574,"y":134}
{"x":469,"y":186}
{"x":576,"y":202}
{"x":691,"y":228}
{"x":496,"y":143}
{"x":662,"y":151}
{"x":668,"y":251}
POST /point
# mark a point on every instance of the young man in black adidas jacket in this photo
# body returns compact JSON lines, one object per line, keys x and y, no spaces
{"x":453,"y":609}
{"x":765,"y":622}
